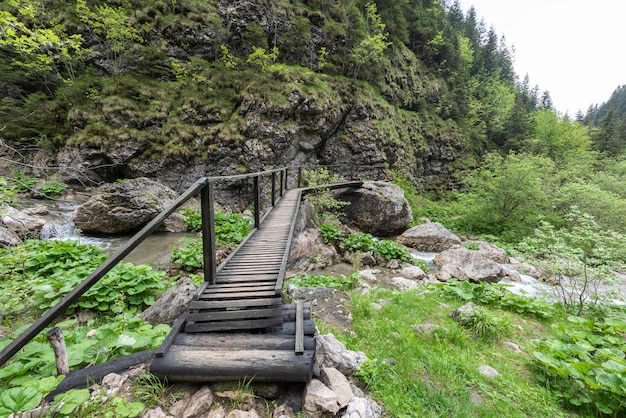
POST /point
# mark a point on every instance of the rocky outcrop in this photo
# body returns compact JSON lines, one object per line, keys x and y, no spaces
{"x":309,"y":253}
{"x":377,"y":207}
{"x":464,"y":264}
{"x":21,"y":223}
{"x":431,"y":236}
{"x":125,"y":207}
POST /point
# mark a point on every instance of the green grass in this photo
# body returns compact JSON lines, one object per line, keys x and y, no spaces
{"x":434,"y":375}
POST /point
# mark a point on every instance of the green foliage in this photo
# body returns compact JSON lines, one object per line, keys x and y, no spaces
{"x":324,"y":280}
{"x":22,"y":182}
{"x":434,"y":373}
{"x":262,"y":60}
{"x":326,"y":207}
{"x":486,"y":324}
{"x":507,"y":194}
{"x":53,"y":189}
{"x":30,"y":373}
{"x":581,"y":256}
{"x":39,"y":273}
{"x":362,"y":242}
{"x":496,"y":296}
{"x":151,"y":391}
{"x":193,"y":219}
{"x":230,"y":230}
{"x":7,"y":193}
{"x":585,"y":364}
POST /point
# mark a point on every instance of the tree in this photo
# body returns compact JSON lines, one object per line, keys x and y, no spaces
{"x":607,"y":138}
{"x":44,"y":53}
{"x":114,"y":31}
{"x":372,"y":48}
{"x":507,"y":194}
{"x":559,"y":138}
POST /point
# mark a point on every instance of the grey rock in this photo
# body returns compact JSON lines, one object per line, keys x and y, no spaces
{"x":337,"y":382}
{"x":123,"y":207}
{"x":331,"y":353}
{"x":363,"y":408}
{"x":199,"y":403}
{"x":8,"y":238}
{"x":20,"y":222}
{"x":425,"y":328}
{"x":488,"y":371}
{"x":308,"y":251}
{"x":432,"y":236}
{"x":402,"y":284}
{"x":512,"y":346}
{"x":463,"y":313}
{"x":413,"y":272}
{"x":318,"y":397}
{"x":377,"y":207}
{"x":172,"y":304}
{"x":154,"y":413}
{"x":237,"y":413}
{"x":464,"y":264}
{"x":493,"y":253}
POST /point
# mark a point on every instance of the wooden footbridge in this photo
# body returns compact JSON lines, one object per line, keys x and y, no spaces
{"x":237,"y":325}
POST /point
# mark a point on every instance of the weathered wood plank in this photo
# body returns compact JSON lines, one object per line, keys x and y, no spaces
{"x":221,"y":366}
{"x":244,"y":324}
{"x":299,"y":346}
{"x":234,"y":304}
{"x":236,"y":295}
{"x":235,"y":314}
{"x":238,"y":341}
{"x":169,"y":340}
{"x":252,"y":287}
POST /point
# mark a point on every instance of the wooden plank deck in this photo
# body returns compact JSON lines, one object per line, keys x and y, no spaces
{"x":238,"y":327}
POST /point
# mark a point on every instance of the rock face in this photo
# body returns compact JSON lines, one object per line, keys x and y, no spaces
{"x":464,"y":264}
{"x":377,"y":207}
{"x":123,"y":207}
{"x":431,"y":236}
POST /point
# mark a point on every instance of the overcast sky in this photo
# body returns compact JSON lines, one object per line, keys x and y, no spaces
{"x":575,"y":49}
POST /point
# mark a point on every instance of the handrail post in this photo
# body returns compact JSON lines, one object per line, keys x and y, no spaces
{"x":299,"y":177}
{"x":208,"y":233}
{"x":273,"y":187}
{"x":281,"y":183}
{"x":286,"y":178}
{"x":257,"y":203}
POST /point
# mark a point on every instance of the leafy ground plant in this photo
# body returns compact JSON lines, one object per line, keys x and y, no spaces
{"x":37,"y":274}
{"x":584,"y":362}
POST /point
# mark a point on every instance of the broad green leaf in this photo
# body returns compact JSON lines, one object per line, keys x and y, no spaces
{"x":20,"y":398}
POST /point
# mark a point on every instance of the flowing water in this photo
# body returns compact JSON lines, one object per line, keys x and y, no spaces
{"x":155,"y":249}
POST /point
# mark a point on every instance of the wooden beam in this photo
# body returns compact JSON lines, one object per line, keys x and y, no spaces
{"x":223,"y":366}
{"x":299,"y":346}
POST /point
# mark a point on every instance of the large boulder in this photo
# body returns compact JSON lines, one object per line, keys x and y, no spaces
{"x":377,"y":207}
{"x":20,"y":222}
{"x":431,"y":236}
{"x":124,"y":207}
{"x":464,"y":264}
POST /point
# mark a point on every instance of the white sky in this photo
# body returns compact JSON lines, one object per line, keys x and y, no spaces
{"x":573,"y":48}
